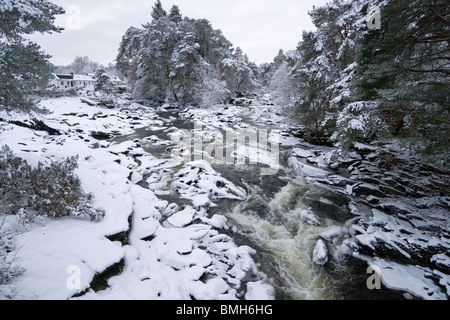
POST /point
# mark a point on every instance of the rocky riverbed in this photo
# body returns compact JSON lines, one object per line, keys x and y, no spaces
{"x":202,"y":230}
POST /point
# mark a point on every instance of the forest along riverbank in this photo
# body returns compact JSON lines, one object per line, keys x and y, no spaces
{"x":317,"y":226}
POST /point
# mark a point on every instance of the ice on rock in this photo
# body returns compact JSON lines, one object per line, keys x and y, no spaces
{"x":305,"y":170}
{"x":416,"y":280}
{"x":218,"y":221}
{"x":308,"y":216}
{"x":442,"y":260}
{"x":320,"y":253}
{"x":170,"y":210}
{"x":333,"y":233}
{"x":259,"y":291}
{"x":214,"y":289}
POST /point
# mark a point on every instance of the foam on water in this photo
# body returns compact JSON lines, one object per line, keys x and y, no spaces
{"x":288,"y":242}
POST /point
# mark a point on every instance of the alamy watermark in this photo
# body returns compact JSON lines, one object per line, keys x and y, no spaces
{"x":73,"y":281}
{"x":229,"y":147}
{"x":374,"y":280}
{"x":374,"y":19}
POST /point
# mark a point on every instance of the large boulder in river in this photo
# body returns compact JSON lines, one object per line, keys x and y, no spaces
{"x":320,"y":253}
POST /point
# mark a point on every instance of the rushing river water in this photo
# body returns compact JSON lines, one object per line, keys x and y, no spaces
{"x":270,"y":221}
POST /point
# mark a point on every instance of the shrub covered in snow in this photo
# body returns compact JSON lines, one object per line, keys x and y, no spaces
{"x":8,"y":271}
{"x":52,"y":191}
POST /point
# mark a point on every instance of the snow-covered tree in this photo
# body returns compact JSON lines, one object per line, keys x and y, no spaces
{"x":405,"y":66}
{"x":158,"y":10}
{"x":24,"y":67}
{"x":9,"y":270}
{"x":210,"y":89}
{"x":359,"y":83}
{"x":239,"y":76}
{"x":267,"y":70}
{"x":154,"y":76}
{"x":103,"y":83}
{"x":51,"y":191}
{"x":175,"y":15}
{"x":19,"y":17}
{"x":169,"y":57}
{"x":127,"y":60}
{"x":282,"y":86}
{"x":314,"y":74}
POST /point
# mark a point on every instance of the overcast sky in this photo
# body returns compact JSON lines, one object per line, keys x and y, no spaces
{"x":259,"y":27}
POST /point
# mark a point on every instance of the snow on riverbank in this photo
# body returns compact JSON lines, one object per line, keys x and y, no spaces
{"x":180,"y":259}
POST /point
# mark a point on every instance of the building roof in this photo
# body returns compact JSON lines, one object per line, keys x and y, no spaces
{"x":65,"y":76}
{"x":84,"y":77}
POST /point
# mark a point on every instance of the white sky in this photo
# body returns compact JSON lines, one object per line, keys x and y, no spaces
{"x":259,"y":27}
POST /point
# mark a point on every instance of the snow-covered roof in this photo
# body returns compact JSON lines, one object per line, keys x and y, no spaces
{"x":83,"y":77}
{"x":65,"y":76}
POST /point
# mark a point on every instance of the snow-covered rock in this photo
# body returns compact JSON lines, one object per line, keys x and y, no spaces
{"x":259,"y":291}
{"x":201,"y":184}
{"x":306,"y":170}
{"x":416,"y":280}
{"x":302,"y":153}
{"x":182,"y":218}
{"x":62,"y":249}
{"x":320,"y":253}
{"x":309,"y":217}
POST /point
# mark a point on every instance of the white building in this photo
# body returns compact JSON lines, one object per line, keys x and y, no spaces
{"x":66,"y":81}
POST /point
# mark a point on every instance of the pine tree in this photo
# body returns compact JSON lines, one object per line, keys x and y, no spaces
{"x":319,"y":72}
{"x":175,"y":15}
{"x":158,"y":11}
{"x":315,"y":74}
{"x":23,"y":65}
{"x":128,"y":56}
{"x":405,"y":67}
{"x":172,"y":57}
{"x":154,"y":67}
{"x":240,"y":77}
{"x":103,"y":82}
{"x":267,"y":70}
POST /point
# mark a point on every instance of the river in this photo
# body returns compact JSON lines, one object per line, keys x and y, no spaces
{"x":273,"y":219}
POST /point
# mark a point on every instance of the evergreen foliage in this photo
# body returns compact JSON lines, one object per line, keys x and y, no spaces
{"x":158,"y":11}
{"x":51,"y":191}
{"x":174,"y":59}
{"x":23,"y":65}
{"x":355,"y":83}
{"x":8,"y":270}
{"x":103,"y":82}
{"x":405,"y":66}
